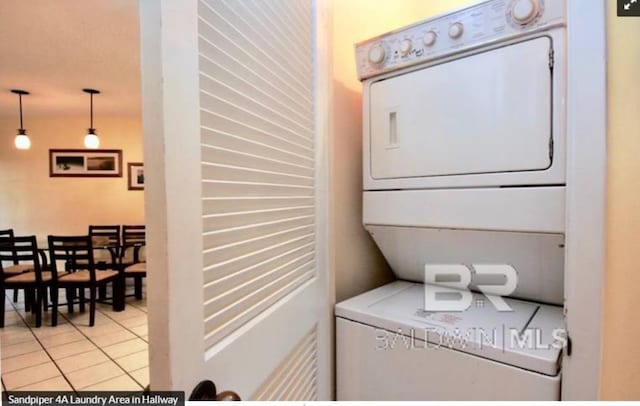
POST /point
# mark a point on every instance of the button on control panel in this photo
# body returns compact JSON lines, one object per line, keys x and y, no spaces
{"x":429,"y":38}
{"x":456,"y":30}
{"x":405,"y":47}
{"x":450,"y":33}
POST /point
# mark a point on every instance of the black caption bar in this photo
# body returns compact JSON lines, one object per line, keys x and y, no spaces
{"x":93,"y":398}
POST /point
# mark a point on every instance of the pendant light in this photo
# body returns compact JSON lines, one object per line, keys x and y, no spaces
{"x":91,"y":140}
{"x":22,"y":140}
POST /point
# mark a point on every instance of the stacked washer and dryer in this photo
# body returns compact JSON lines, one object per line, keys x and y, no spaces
{"x":464,"y":165}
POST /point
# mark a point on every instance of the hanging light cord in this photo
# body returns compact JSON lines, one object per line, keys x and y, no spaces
{"x":91,"y":104}
{"x":20,"y":102}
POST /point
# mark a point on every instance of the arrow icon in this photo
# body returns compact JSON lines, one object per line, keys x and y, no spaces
{"x":626,"y":8}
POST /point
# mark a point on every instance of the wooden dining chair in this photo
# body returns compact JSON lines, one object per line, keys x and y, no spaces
{"x":105,"y":240}
{"x":131,"y":261}
{"x":105,"y":234}
{"x":106,"y":248}
{"x":24,"y":249}
{"x":17,"y":268}
{"x":80,"y":272}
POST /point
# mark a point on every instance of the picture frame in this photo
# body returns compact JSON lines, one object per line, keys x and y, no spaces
{"x":135,"y":172}
{"x":90,"y":163}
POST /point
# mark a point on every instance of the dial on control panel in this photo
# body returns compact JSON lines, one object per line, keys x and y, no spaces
{"x":456,"y":30}
{"x":524,"y":11}
{"x":405,"y":47}
{"x":429,"y":38}
{"x":376,"y":54}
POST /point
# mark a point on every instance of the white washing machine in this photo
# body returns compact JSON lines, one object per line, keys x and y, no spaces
{"x":389,"y":348}
{"x":464,"y":163}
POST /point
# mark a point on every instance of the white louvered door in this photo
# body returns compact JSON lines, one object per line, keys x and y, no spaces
{"x":230,"y":91}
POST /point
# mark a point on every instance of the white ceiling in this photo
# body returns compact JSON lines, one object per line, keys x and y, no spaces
{"x":54,"y":49}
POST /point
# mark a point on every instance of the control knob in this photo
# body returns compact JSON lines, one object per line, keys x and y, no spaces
{"x":524,"y":11}
{"x":376,"y":54}
{"x":405,"y":47}
{"x":456,"y":30}
{"x":429,"y":38}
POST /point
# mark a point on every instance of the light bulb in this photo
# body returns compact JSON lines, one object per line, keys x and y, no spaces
{"x":22,"y":141}
{"x":91,"y":140}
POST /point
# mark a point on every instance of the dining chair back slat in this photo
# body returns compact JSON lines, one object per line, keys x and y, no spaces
{"x":24,"y":248}
{"x":133,"y":234}
{"x":133,"y":238}
{"x":75,"y":251}
{"x":8,"y":233}
{"x":132,"y":258}
{"x":19,"y":249}
{"x":105,"y":235}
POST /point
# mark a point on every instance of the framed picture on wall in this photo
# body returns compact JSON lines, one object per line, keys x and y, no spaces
{"x":85,"y":162}
{"x":136,"y":175}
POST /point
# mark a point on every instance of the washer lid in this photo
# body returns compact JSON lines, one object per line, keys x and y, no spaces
{"x":529,"y":337}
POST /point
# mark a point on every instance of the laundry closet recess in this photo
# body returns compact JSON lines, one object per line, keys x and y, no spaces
{"x":464,"y":165}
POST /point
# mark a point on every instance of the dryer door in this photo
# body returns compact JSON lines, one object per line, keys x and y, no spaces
{"x":486,"y":113}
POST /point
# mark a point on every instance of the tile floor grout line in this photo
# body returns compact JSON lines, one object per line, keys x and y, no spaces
{"x":43,"y":347}
{"x":139,"y":308}
{"x":127,"y":328}
{"x":14,"y":344}
{"x":135,"y":334}
{"x":139,"y":369}
{"x":104,"y":352}
{"x":100,"y":348}
{"x":129,"y":373}
{"x":22,"y":368}
{"x":76,"y":327}
{"x":75,"y":355}
{"x":35,"y":383}
{"x":6,"y":333}
{"x":60,"y":345}
{"x":105,"y":380}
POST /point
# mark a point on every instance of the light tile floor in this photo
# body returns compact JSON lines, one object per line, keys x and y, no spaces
{"x":112,"y":355}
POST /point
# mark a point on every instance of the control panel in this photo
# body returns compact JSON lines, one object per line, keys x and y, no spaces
{"x":468,"y":28}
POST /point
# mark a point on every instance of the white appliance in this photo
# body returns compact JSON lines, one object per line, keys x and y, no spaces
{"x":464,"y":163}
{"x":387,"y":348}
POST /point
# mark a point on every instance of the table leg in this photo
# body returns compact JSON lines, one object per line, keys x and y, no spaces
{"x":118,"y":294}
{"x":81,"y":299}
{"x":70,"y":298}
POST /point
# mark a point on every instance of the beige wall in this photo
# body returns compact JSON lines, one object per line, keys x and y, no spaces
{"x":358,"y":264}
{"x":33,"y":203}
{"x":621,"y":354}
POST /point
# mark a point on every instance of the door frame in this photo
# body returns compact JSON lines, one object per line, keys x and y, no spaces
{"x":585,"y":197}
{"x":166,"y":29}
{"x":323,"y":90}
